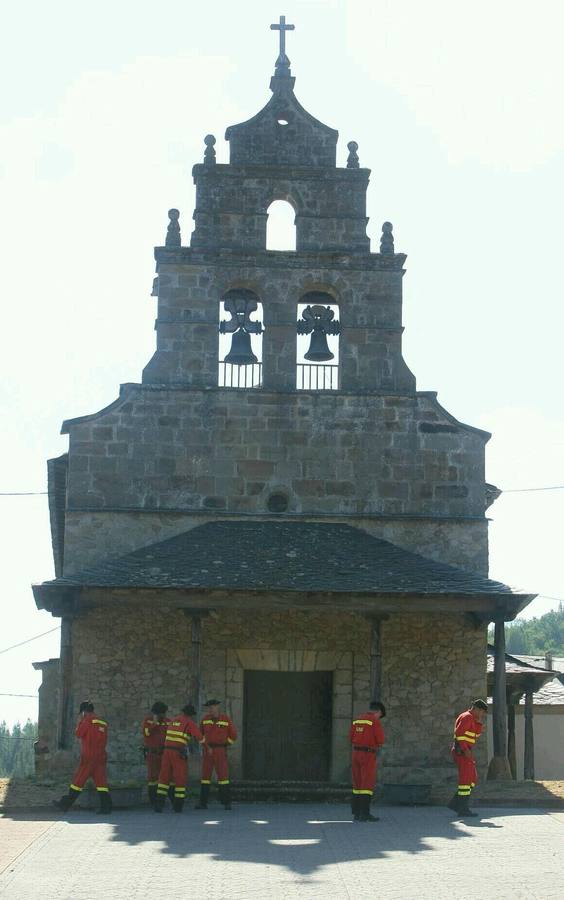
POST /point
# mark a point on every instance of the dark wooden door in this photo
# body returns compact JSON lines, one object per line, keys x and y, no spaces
{"x":288,"y":726}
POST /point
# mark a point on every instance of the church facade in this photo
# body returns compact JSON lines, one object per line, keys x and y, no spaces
{"x":275,"y":515}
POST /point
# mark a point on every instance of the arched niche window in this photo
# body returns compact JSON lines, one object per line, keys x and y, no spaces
{"x":317,"y":350}
{"x":281,"y":226}
{"x":240,"y":340}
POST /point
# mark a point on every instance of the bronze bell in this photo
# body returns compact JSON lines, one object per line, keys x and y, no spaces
{"x":318,"y":348}
{"x":241,"y":353}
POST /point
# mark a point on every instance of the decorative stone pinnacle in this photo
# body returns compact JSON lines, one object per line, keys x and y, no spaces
{"x":352,"y":161}
{"x":173,"y":231}
{"x":209,"y":152}
{"x":387,"y":239}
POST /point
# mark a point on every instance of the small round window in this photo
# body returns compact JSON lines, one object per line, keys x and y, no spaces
{"x":277,"y":503}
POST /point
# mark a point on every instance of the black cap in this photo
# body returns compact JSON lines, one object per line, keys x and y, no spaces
{"x":377,"y":704}
{"x":159,"y":708}
{"x":189,"y":709}
{"x":212,"y":703}
{"x":480,"y":704}
{"x":86,"y":706}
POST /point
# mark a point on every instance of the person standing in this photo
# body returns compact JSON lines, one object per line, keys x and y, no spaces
{"x":174,"y":762}
{"x":467,"y":730}
{"x":154,"y":729}
{"x":92,"y":732}
{"x":219,"y":732}
{"x":367,"y":736}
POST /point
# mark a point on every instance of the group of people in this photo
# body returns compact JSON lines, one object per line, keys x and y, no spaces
{"x":165,"y":749}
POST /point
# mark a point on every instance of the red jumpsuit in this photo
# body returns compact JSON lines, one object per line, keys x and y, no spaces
{"x":92,"y":731}
{"x":366,"y":736}
{"x":466,"y":733}
{"x":174,"y":761}
{"x":154,"y":734}
{"x":219,"y":733}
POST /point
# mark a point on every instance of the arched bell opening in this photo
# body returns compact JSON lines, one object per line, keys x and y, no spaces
{"x":281,"y":226}
{"x":317,"y":349}
{"x":240,"y":339}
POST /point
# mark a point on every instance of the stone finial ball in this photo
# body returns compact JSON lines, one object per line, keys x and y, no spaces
{"x":209,"y":140}
{"x":387,"y":226}
{"x":352,"y":146}
{"x":173,"y":215}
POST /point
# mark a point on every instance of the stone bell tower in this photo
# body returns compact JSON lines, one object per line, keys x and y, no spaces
{"x":275,"y":516}
{"x":282,"y":153}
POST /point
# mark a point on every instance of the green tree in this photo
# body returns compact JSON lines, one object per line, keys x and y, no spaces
{"x":16,"y":749}
{"x":535,"y":637}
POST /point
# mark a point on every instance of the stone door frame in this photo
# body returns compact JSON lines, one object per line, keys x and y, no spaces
{"x":339,"y":662}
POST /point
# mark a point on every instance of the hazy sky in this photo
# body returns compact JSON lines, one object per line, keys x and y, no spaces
{"x":456,"y":109}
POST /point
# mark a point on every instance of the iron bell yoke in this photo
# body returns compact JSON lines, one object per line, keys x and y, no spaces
{"x":240,"y":304}
{"x":319,"y":321}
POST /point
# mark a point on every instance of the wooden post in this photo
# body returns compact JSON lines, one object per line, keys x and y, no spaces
{"x":65,"y":682}
{"x":511,"y":754}
{"x":499,"y":764}
{"x":196,"y":680}
{"x":529,"y":761}
{"x":376,"y":658}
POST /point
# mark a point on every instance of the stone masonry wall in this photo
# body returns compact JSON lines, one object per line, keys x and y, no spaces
{"x":432,"y":667}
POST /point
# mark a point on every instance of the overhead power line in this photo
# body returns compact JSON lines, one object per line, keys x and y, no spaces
{"x":553,"y":487}
{"x":21,"y":643}
{"x":22,"y":493}
{"x":19,"y":695}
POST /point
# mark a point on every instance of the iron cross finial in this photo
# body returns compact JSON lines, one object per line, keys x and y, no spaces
{"x":282,"y":28}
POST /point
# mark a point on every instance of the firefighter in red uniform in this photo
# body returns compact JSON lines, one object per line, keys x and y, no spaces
{"x":366,"y":736}
{"x":92,"y":731}
{"x":219,"y":732}
{"x":154,"y":732}
{"x":467,"y":729}
{"x":174,"y":764}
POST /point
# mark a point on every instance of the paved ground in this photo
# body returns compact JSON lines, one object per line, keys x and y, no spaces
{"x":283,"y":851}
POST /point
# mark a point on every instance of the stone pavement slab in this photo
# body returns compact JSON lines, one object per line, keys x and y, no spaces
{"x":287,"y":851}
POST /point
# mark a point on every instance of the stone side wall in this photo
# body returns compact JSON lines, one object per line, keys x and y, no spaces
{"x":432,"y":666}
{"x":366,"y":289}
{"x":93,"y":536}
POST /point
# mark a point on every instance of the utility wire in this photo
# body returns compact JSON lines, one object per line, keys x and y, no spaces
{"x":554,"y":487}
{"x":19,"y":695}
{"x":22,"y":493}
{"x":13,"y":647}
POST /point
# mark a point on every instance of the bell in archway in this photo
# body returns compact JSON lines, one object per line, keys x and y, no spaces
{"x":318,"y":348}
{"x":240,"y":304}
{"x":319,"y":322}
{"x":241,"y":353}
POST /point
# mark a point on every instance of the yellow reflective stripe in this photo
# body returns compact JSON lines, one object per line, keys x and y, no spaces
{"x":362,"y":792}
{"x":467,"y":740}
{"x":152,"y":783}
{"x":98,"y":722}
{"x":204,"y":781}
{"x":207,"y":721}
{"x":230,"y":740}
{"x":221,"y":723}
{"x":470,"y":733}
{"x":363,"y":722}
{"x":75,"y":787}
{"x":224,"y":782}
{"x":147,"y":732}
{"x":460,"y":786}
{"x":177,"y":740}
{"x":103,"y":789}
{"x":171,"y":731}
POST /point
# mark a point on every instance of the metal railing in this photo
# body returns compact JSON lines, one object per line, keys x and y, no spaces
{"x":317,"y":377}
{"x":233,"y":376}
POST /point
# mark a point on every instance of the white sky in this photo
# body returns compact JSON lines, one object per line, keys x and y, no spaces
{"x":457,"y":111}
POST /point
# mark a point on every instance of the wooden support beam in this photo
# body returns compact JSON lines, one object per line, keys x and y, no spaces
{"x":511,"y":754}
{"x":499,"y":764}
{"x":376,"y":657}
{"x":65,"y":683}
{"x":529,"y":760}
{"x":196,"y":667}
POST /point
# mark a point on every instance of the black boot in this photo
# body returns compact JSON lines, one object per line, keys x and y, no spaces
{"x":160,"y":797}
{"x":464,"y":809}
{"x":354,"y":807}
{"x":152,"y":794}
{"x":225,"y":795}
{"x":204,"y":796}
{"x":179,"y":797}
{"x":364,"y":809}
{"x":453,"y":802}
{"x":67,"y":800}
{"x":171,"y":793}
{"x":106,"y":804}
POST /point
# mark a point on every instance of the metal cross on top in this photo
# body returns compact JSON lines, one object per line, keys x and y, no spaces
{"x":282,"y":28}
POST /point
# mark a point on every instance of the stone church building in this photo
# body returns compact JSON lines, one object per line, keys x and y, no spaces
{"x":274,"y":515}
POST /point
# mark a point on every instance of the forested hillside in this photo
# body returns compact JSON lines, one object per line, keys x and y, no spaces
{"x":536,"y":637}
{"x":16,"y":749}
